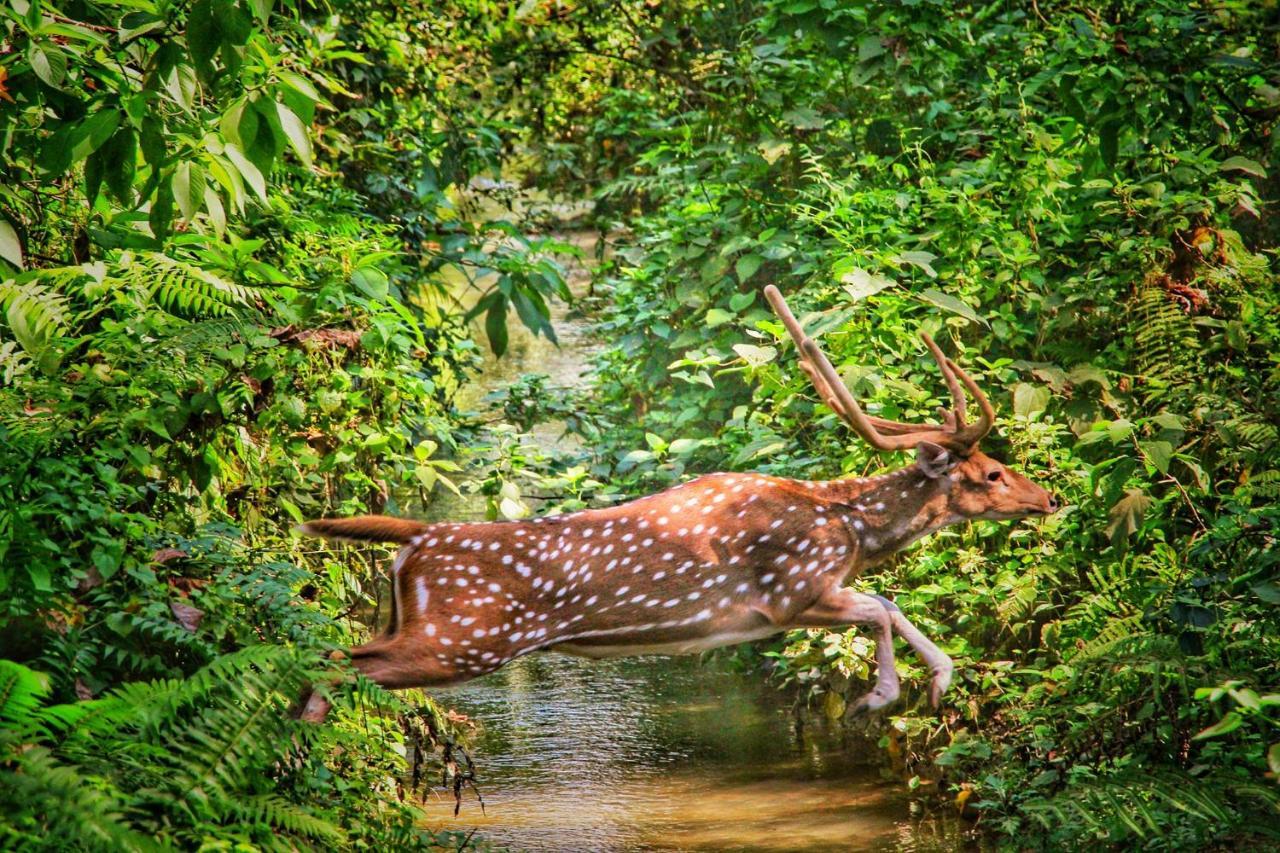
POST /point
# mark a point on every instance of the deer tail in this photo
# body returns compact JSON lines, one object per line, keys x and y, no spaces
{"x":365,"y":528}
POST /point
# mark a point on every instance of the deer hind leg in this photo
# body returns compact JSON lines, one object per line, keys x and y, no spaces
{"x":940,"y":666}
{"x":846,"y":607}
{"x":391,"y":662}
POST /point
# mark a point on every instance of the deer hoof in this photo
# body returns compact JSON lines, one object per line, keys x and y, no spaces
{"x":315,"y":709}
{"x":874,"y":701}
{"x":941,"y":681}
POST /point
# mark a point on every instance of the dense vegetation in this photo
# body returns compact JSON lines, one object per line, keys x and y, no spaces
{"x":1075,"y":198}
{"x":222,"y":235}
{"x":223,"y":241}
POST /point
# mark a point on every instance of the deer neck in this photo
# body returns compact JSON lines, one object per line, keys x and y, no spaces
{"x":889,"y":512}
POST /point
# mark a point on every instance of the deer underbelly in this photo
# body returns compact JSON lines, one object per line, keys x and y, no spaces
{"x":610,"y":647}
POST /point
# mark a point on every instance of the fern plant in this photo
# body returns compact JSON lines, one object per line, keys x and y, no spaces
{"x":175,"y":763}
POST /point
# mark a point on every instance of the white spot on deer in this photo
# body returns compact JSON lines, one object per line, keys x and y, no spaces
{"x":423,"y":595}
{"x":777,"y":522}
{"x":767,"y":578}
{"x":429,"y":629}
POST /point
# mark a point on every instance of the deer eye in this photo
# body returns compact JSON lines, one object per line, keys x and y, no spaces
{"x":994,"y":476}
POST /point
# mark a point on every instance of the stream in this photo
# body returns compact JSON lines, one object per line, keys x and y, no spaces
{"x":654,"y":753}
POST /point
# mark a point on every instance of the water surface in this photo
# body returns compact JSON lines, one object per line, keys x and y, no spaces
{"x":657,"y":754}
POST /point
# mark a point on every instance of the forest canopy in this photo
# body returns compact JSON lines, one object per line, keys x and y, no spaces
{"x":230,"y":234}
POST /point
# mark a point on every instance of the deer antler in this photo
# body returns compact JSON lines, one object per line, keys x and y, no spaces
{"x":953,"y":433}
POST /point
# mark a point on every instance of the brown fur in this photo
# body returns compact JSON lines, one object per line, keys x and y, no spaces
{"x":365,"y":528}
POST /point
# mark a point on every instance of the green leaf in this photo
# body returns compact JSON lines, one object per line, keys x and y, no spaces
{"x":251,"y":174}
{"x":49,"y":64}
{"x":160,"y":217}
{"x":923,"y":260}
{"x":718,"y":317}
{"x":1109,"y":143}
{"x":189,"y":187}
{"x":296,"y":133}
{"x":747,"y":266}
{"x":804,"y":118}
{"x":151,"y":141}
{"x":299,"y":84}
{"x":1128,"y":512}
{"x":92,"y":132}
{"x":10,"y":245}
{"x":1029,"y":399}
{"x":291,"y":508}
{"x":204,"y":35}
{"x":1268,"y":591}
{"x":1229,"y":723}
{"x":860,"y":284}
{"x":120,"y":157}
{"x":371,"y":281}
{"x":951,"y":304}
{"x":1242,"y":164}
{"x":1160,"y":454}
{"x":217,"y":215}
{"x":754,"y":355}
{"x":495,"y":326}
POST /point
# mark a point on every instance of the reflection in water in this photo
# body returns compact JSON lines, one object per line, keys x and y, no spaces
{"x":661,"y":754}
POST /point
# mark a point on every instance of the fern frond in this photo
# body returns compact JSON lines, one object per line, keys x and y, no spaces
{"x":33,"y":312}
{"x":1115,"y":631}
{"x":270,"y":810}
{"x":72,"y":810}
{"x":1164,"y":338}
{"x":21,"y":691}
{"x":182,"y":289}
{"x":1142,"y":804}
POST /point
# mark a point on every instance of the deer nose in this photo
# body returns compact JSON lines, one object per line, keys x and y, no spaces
{"x":1052,"y":503}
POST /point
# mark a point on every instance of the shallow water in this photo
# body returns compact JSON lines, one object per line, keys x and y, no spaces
{"x":665,"y":754}
{"x":654,"y":754}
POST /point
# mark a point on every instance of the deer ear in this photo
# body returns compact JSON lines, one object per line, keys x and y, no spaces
{"x":934,"y":459}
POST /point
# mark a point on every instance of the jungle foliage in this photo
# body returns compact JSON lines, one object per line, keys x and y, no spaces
{"x":224,"y":234}
{"x":1076,"y":198}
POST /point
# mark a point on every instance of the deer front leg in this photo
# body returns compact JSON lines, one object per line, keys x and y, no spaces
{"x":846,"y":607}
{"x":939,"y":664}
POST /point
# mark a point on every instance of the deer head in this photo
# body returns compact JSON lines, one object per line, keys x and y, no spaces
{"x":975,"y":485}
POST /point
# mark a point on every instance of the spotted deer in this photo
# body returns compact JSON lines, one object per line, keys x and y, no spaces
{"x":721,"y":559}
